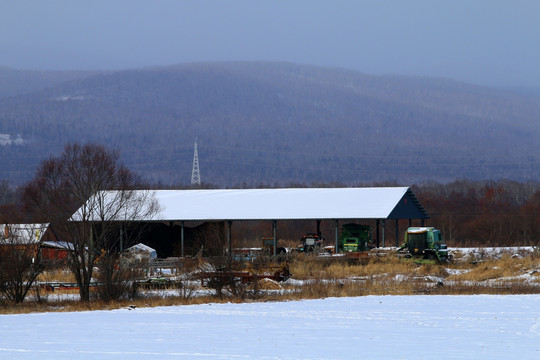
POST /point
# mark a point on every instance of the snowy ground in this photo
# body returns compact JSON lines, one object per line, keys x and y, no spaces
{"x":371,"y":327}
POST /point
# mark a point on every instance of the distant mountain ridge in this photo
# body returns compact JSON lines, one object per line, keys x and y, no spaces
{"x":16,"y":82}
{"x":272,"y":123}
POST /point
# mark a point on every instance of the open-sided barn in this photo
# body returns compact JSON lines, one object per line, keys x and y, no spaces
{"x":178,"y":207}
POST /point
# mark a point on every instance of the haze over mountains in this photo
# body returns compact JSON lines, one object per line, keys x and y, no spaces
{"x":271,"y":123}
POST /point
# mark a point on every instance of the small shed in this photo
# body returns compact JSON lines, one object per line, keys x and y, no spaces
{"x":37,"y":238}
{"x":56,"y":251}
{"x":141,"y":252}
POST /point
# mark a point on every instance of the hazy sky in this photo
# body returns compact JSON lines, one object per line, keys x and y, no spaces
{"x":491,"y":42}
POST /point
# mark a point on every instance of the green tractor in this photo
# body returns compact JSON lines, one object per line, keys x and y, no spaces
{"x":354,"y":238}
{"x":425,"y":243}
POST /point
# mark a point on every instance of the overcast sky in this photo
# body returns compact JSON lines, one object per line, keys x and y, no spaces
{"x":491,"y":42}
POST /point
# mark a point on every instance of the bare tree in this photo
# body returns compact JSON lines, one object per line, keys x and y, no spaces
{"x":19,"y":259}
{"x":86,"y":194}
{"x":116,"y":275}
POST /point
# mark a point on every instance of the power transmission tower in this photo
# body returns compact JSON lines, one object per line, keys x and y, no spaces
{"x":195,"y":175}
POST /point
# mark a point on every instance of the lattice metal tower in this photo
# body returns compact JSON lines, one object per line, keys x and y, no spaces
{"x":195,"y":175}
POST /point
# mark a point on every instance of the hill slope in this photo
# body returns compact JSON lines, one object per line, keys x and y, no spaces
{"x":276,"y":123}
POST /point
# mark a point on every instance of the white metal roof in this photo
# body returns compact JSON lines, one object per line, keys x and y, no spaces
{"x":277,"y":204}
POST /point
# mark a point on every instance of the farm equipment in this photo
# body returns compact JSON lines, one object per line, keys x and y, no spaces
{"x":251,"y":254}
{"x":354,"y":238}
{"x":246,"y":273}
{"x":425,"y":243}
{"x":311,"y":243}
{"x":268,"y":246}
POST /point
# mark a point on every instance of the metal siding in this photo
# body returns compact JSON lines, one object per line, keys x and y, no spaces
{"x":408,"y":207}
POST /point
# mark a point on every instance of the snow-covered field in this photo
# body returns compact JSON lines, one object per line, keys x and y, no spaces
{"x":371,"y":327}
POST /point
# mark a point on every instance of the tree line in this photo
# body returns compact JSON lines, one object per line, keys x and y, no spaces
{"x":486,"y":213}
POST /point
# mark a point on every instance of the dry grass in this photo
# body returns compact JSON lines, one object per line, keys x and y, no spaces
{"x":394,"y":276}
{"x":310,"y":267}
{"x":68,"y":306}
{"x":327,"y":277}
{"x":59,"y":275}
{"x":505,"y":267}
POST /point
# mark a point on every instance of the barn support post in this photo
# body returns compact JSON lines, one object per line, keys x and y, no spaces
{"x":410,"y":222}
{"x":319,"y":228}
{"x":274,"y":228}
{"x":383,"y":233}
{"x":378,"y":231}
{"x":170,"y":231}
{"x":423,"y":222}
{"x":121,"y":239}
{"x":397,"y":232}
{"x":337,"y":237}
{"x":182,"y":239}
{"x":229,"y":246}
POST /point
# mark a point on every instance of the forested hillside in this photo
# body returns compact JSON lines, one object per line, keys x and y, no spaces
{"x":16,"y":82}
{"x":271,"y":123}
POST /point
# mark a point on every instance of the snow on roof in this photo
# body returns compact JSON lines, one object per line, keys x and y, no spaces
{"x":141,"y":248}
{"x":279,"y":204}
{"x":58,"y":245}
{"x":23,"y":233}
{"x":418,"y":230}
